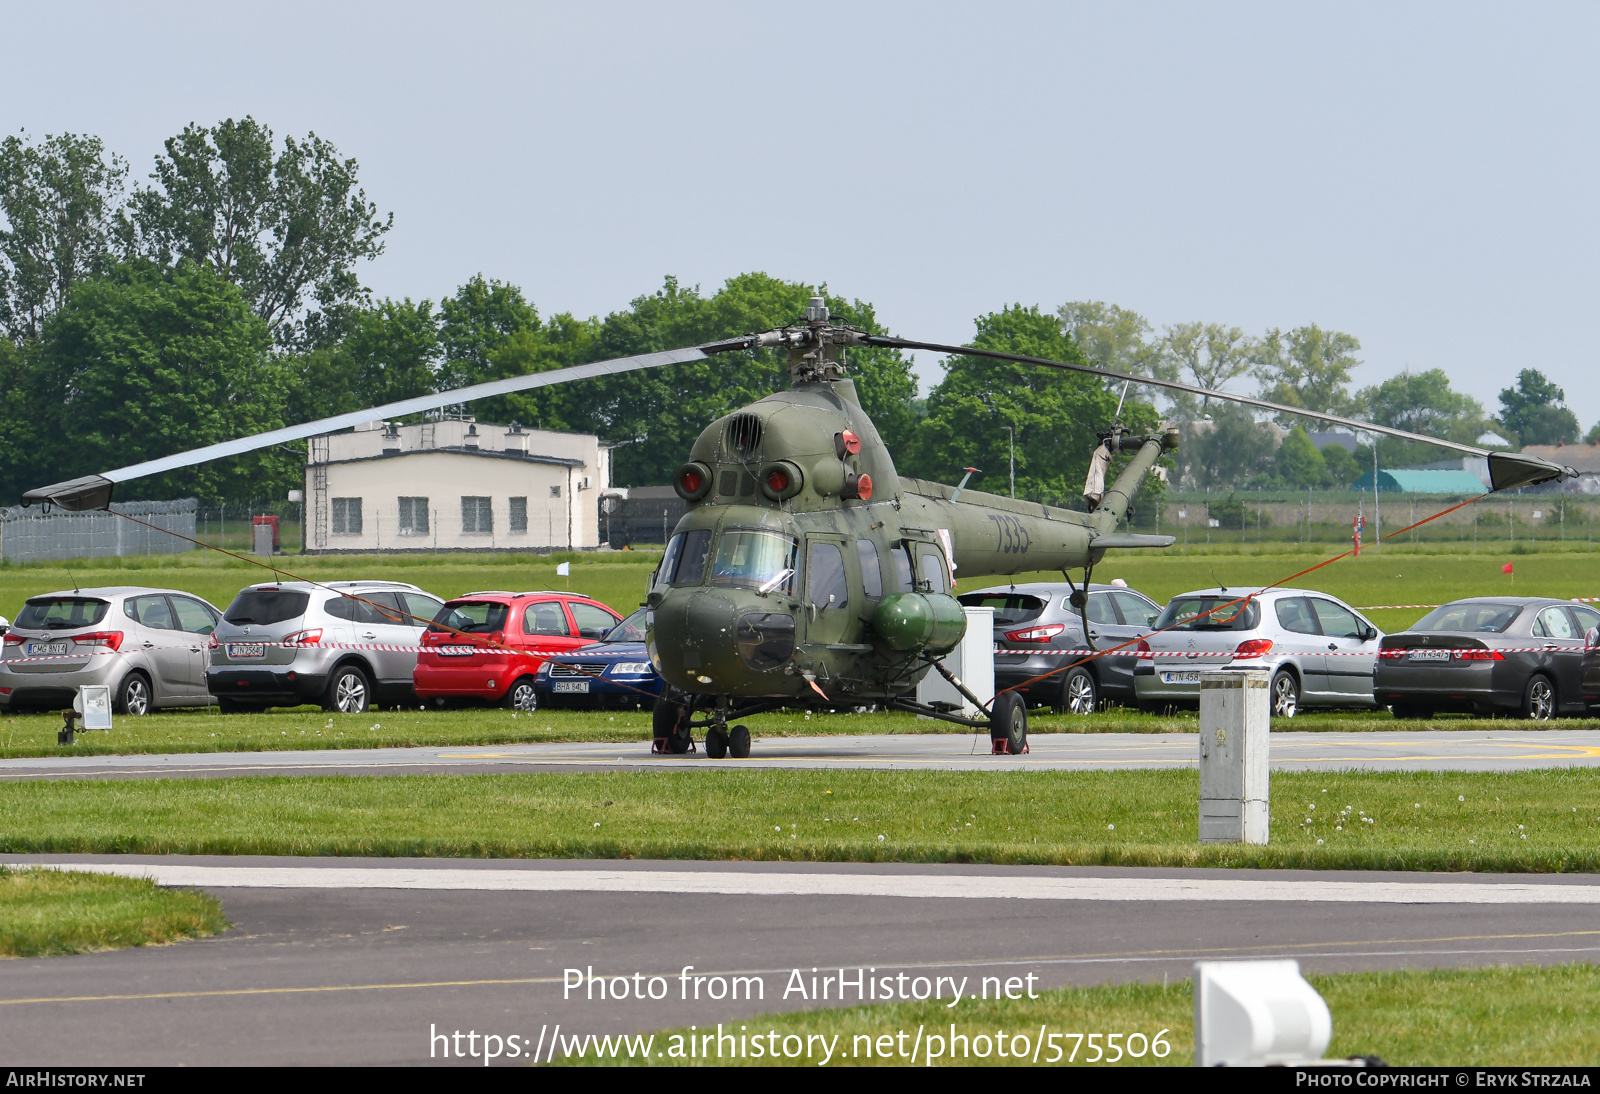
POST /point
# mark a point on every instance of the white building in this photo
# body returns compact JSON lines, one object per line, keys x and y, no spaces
{"x":454,"y":485}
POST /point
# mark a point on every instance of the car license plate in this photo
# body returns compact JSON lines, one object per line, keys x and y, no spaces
{"x":1428,"y":655}
{"x":244,"y":651}
{"x":579,"y":687}
{"x":1192,"y":677}
{"x":46,"y":649}
{"x":455,"y":651}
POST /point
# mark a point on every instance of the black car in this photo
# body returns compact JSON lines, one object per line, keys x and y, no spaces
{"x":613,"y":672}
{"x":1035,"y":625}
{"x":1489,"y":655}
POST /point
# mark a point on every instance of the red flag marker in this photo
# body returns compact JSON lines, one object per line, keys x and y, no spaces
{"x":1506,"y":569}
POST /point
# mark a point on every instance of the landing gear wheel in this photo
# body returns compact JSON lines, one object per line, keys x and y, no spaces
{"x":1410,"y":713}
{"x":716,"y":742}
{"x":1079,"y":693}
{"x":521,"y":696}
{"x":1285,"y":694}
{"x":348,"y":691}
{"x":671,"y":725}
{"x":1539,"y":700}
{"x":739,"y":742}
{"x":133,"y":697}
{"x":1008,"y":724}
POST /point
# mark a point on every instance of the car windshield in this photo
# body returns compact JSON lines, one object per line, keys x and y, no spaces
{"x":57,"y":613}
{"x":1009,"y":608}
{"x":471,"y":617}
{"x":754,"y":558}
{"x":630,"y":629}
{"x":266,"y":606}
{"x":1210,"y":613}
{"x":1487,"y":618}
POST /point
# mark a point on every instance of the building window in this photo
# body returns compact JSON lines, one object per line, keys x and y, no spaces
{"x":519,"y":515}
{"x":555,"y":491}
{"x":477,"y":519}
{"x":347,"y":516}
{"x":413,"y":516}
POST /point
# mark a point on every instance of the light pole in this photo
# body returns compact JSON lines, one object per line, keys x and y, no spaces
{"x":1013,"y":434}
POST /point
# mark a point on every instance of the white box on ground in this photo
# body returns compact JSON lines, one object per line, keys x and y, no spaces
{"x":1254,"y":1013}
{"x":263,"y":539}
{"x":1235,"y":721}
{"x":93,"y":701}
{"x":972,"y":663}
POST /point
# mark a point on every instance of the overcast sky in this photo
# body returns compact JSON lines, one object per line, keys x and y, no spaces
{"x":1421,"y":176}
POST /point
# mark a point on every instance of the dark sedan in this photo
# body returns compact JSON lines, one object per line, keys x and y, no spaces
{"x":1488,"y":655}
{"x":613,"y":672}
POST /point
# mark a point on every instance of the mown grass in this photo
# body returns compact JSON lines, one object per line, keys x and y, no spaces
{"x":1493,"y":1017}
{"x":49,"y":912}
{"x":1521,"y":821}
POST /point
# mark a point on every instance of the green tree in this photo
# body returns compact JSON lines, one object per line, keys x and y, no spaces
{"x":1298,"y":463}
{"x":1206,"y":355}
{"x":389,"y":352}
{"x":1056,"y":414}
{"x":144,"y":362}
{"x":59,"y":200}
{"x":1534,"y":410}
{"x":1420,"y":402}
{"x":1308,"y":367}
{"x":287,"y":227}
{"x":1227,"y":450}
{"x":1343,"y":467}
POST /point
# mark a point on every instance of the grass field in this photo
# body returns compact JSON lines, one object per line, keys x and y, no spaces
{"x":1495,"y":1017}
{"x":1525,"y":821}
{"x":48,"y":912}
{"x":1393,"y":574}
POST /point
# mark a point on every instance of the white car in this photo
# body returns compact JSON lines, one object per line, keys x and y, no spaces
{"x":1321,"y":651}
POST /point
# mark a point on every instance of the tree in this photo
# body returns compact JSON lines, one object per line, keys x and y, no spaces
{"x":144,"y":362}
{"x":287,"y":227}
{"x":1209,"y":355}
{"x":1593,"y":436}
{"x":1056,"y":414}
{"x":1309,"y":367}
{"x":1343,"y":467}
{"x":1420,"y":402}
{"x":389,"y":352}
{"x":59,"y":200}
{"x":1298,"y":463}
{"x":1534,"y":410}
{"x":1227,"y":450}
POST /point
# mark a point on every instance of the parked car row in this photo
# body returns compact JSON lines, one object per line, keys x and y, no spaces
{"x":346,"y":645}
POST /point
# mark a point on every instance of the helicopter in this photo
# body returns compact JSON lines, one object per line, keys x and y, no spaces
{"x":806,"y":571}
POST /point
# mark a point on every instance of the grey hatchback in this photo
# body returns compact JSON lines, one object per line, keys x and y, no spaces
{"x":1035,"y":625}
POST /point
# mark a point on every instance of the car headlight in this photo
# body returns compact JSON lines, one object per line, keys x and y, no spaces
{"x":630,"y":668}
{"x":544,"y":668}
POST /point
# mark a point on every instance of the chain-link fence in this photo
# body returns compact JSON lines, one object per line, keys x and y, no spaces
{"x":30,"y":535}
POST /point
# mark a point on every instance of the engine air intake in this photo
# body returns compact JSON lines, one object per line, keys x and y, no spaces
{"x":744,"y":434}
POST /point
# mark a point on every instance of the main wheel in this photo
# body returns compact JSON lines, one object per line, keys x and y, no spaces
{"x":1285,"y":694}
{"x":133,"y":697}
{"x":670,"y":720}
{"x":739,"y":742}
{"x":349,"y":691}
{"x":716,"y":742}
{"x":1539,"y":699}
{"x":1008,"y":721}
{"x":521,"y":696}
{"x":1079,"y":693}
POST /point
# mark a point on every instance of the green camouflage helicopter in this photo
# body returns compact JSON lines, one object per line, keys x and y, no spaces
{"x":807,"y":572}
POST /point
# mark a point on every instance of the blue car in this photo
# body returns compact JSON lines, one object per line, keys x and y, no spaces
{"x":613,"y":672}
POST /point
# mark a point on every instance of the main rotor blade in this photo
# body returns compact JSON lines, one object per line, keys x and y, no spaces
{"x":1507,"y":470}
{"x":94,"y":491}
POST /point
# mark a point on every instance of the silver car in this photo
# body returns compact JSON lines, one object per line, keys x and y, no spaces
{"x":148,"y":645}
{"x":1321,"y":651}
{"x":345,"y":644}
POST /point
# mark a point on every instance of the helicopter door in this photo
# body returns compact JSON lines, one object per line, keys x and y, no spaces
{"x":827,"y":593}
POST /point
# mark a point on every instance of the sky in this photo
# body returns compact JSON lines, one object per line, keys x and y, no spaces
{"x":1419,"y":175}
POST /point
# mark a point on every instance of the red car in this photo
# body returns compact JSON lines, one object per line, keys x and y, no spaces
{"x":489,"y":645}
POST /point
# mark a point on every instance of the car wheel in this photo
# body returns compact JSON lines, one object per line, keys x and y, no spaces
{"x":1403,"y":710}
{"x":1079,"y":695}
{"x":348,"y":691}
{"x":716,"y":742}
{"x":1285,"y":694}
{"x":133,"y":697}
{"x":671,"y":724}
{"x":522,"y":696}
{"x":1008,"y":722}
{"x":739,"y":743}
{"x":1539,"y":700}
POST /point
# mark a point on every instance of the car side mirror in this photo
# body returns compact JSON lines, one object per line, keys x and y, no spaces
{"x":1592,"y":639}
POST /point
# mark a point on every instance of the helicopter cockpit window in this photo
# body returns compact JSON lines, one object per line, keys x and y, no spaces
{"x":903,"y":582}
{"x":825,"y":583}
{"x":935,"y":573}
{"x":685,"y":559}
{"x":755,"y":558}
{"x":871,"y":573}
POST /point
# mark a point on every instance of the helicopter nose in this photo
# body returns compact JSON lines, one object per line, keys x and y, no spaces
{"x":693,"y":640}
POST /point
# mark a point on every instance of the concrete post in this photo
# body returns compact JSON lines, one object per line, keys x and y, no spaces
{"x":1235,"y":718}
